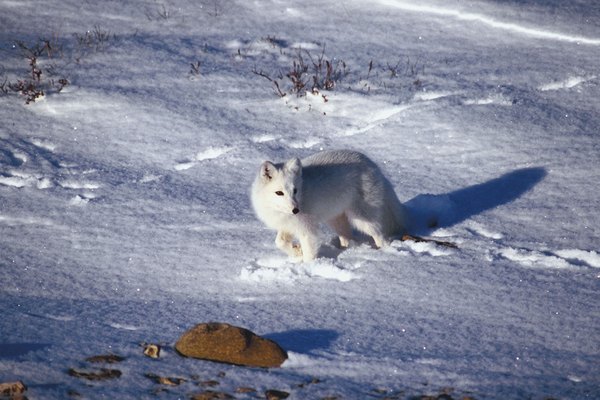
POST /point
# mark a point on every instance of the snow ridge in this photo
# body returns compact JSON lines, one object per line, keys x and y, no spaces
{"x":491,"y":22}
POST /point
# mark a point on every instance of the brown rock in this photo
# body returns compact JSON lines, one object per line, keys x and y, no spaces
{"x":163,"y":380}
{"x":209,"y":383}
{"x":105,"y":358}
{"x":276,"y":395}
{"x":210,"y":395}
{"x":244,"y":389}
{"x":152,"y":350}
{"x":230,"y":344}
{"x":12,"y":388}
{"x":96,"y":375}
{"x":311,"y":382}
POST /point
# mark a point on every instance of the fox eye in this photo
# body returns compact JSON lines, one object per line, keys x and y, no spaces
{"x":295,"y":190}
{"x":279,"y":193}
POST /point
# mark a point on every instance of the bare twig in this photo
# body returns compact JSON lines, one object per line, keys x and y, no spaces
{"x":419,"y":239}
{"x":279,"y":92}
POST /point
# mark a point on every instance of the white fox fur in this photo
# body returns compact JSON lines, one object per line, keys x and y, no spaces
{"x":342,"y":188}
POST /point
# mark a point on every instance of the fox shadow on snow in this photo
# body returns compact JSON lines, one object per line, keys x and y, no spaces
{"x":427,"y":212}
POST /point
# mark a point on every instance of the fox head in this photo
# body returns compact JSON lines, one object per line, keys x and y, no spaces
{"x":281,"y":185}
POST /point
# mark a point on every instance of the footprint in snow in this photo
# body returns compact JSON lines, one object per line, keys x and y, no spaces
{"x":77,"y":184}
{"x":35,"y":165}
{"x":19,"y":154}
{"x":81,"y":199}
{"x":18,"y":179}
{"x":85,"y":188}
{"x":149,"y":178}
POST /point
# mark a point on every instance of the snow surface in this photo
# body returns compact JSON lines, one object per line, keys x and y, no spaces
{"x":125,"y":218}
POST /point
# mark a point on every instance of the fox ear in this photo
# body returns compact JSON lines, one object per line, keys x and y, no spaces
{"x":294,"y":166}
{"x":267,"y":169}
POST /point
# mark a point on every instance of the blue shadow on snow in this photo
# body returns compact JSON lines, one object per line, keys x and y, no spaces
{"x":304,"y":341}
{"x":428,"y":212}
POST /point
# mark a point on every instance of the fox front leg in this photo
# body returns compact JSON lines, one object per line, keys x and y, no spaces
{"x":310,"y":246}
{"x":284,"y":241}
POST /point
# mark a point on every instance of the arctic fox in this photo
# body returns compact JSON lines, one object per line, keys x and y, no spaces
{"x":342,"y":188}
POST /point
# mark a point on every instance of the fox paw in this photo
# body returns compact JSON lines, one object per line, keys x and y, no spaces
{"x":297,"y":251}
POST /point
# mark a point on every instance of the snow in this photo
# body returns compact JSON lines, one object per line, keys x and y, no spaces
{"x":125,"y":218}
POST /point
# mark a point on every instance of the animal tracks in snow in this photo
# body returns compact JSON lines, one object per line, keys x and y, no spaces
{"x":283,"y":269}
{"x":19,"y":179}
{"x":33,"y":164}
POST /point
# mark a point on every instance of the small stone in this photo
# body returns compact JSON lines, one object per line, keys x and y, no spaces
{"x":12,"y":388}
{"x":96,"y":375}
{"x":245,"y":390}
{"x":162,"y":380}
{"x":152,"y":350}
{"x":210,"y":383}
{"x":311,"y":382}
{"x":276,"y":395}
{"x":210,"y":395}
{"x":105,"y":358}
{"x":230,"y":344}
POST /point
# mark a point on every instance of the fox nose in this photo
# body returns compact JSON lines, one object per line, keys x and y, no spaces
{"x":295,"y":210}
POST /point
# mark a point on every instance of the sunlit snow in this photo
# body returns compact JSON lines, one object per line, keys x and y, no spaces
{"x":125,"y":217}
